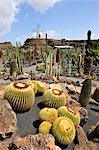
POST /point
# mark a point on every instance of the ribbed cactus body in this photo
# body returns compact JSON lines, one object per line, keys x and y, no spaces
{"x":48,"y":114}
{"x":41,"y":86}
{"x":64,"y":130}
{"x":72,"y":114}
{"x":45,"y":127}
{"x":54,"y":98}
{"x":34,"y":86}
{"x":85,"y":92}
{"x":20,"y":96}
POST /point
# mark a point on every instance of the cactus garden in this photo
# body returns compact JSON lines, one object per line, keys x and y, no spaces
{"x":49,"y":98}
{"x":49,"y":83}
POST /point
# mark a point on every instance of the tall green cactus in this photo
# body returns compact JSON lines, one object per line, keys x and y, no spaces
{"x":19,"y":56}
{"x":85,"y":92}
{"x":31,"y":53}
{"x":11,"y":61}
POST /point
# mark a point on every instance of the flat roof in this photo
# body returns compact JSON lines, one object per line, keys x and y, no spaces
{"x":64,"y":47}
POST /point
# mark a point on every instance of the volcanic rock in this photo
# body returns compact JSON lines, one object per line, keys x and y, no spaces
{"x":8,"y":119}
{"x":30,"y":142}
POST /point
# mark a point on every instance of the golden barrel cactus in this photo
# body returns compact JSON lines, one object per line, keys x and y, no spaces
{"x":20,"y":96}
{"x":45,"y":127}
{"x":64,"y":130}
{"x":48,"y":114}
{"x":54,"y":98}
{"x":70,"y":113}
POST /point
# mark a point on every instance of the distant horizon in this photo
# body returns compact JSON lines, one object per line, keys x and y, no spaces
{"x":61,"y":19}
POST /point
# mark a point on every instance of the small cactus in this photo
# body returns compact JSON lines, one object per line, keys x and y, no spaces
{"x":48,"y":114}
{"x":45,"y":127}
{"x":85,"y":92}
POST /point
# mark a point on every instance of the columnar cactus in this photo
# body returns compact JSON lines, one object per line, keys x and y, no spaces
{"x":85,"y":92}
{"x":19,"y":56}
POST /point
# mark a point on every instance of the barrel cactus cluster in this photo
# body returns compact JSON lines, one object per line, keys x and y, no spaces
{"x":56,"y":117}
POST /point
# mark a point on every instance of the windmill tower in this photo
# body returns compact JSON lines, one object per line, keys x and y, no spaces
{"x":39,"y":32}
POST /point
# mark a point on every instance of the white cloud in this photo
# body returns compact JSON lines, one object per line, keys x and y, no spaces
{"x":9,"y":9}
{"x":42,"y":5}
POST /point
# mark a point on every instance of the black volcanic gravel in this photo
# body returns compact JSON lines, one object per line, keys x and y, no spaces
{"x":28,"y":122}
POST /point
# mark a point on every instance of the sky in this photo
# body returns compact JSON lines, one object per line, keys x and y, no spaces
{"x":69,"y":19}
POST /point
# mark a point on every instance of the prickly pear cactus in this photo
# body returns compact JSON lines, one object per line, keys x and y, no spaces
{"x":20,"y":96}
{"x":45,"y":127}
{"x":69,"y":113}
{"x":48,"y":114}
{"x":54,"y":98}
{"x":64,"y":130}
{"x":85,"y":92}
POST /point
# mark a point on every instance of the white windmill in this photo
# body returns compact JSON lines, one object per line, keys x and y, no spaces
{"x":39,"y":32}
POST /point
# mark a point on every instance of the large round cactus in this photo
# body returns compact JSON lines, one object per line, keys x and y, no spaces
{"x":45,"y":127}
{"x":64,"y":130}
{"x":20,"y":96}
{"x":54,"y":98}
{"x":48,"y":114}
{"x":70,"y":113}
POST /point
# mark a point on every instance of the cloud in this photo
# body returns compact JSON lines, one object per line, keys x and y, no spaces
{"x":9,"y":9}
{"x":42,"y":5}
